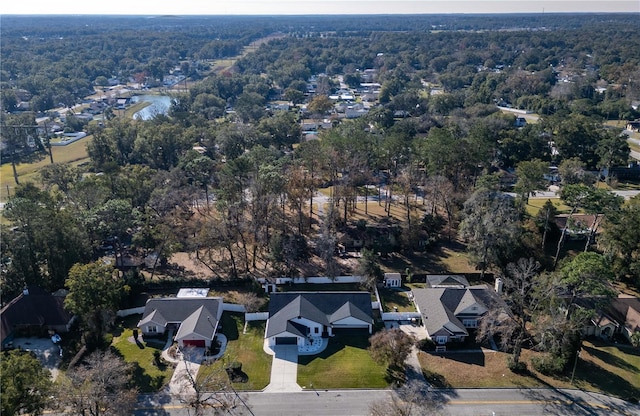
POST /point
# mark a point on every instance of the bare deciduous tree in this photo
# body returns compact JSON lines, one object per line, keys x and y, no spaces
{"x":390,"y":346}
{"x":412,"y":399}
{"x":98,"y":386}
{"x":520,"y":284}
{"x":207,"y":392}
{"x":250,"y":301}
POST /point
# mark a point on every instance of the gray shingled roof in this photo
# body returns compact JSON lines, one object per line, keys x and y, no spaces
{"x":440,"y":306}
{"x":447,"y":280}
{"x":196,"y":315}
{"x":202,"y":322}
{"x":321,"y":307}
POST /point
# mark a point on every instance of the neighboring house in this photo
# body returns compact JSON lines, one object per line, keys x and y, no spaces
{"x":602,"y":326}
{"x":626,"y":309}
{"x":448,"y":313}
{"x":634,"y":126}
{"x":579,"y":226}
{"x":622,"y":316}
{"x":34,"y":311}
{"x":447,"y":280}
{"x":194,"y":319}
{"x":295,"y":316}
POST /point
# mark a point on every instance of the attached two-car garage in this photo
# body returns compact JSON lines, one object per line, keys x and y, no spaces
{"x":198,"y":343}
{"x":286,"y":341}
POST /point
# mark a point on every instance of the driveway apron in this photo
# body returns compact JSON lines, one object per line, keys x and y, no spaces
{"x":284,"y":369}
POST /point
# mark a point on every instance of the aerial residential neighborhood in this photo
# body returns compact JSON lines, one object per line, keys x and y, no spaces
{"x":357,"y":214}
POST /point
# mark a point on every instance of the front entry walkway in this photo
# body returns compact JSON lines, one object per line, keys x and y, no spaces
{"x":284,"y":370}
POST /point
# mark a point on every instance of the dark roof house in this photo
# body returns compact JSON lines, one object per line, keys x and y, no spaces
{"x":294,"y":316}
{"x":447,"y":280}
{"x":195,"y":319}
{"x":447,"y":313}
{"x":35,"y":310}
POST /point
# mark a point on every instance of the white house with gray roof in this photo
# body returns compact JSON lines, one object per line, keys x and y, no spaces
{"x":296,"y":316}
{"x":448,"y":312}
{"x":195,"y":319}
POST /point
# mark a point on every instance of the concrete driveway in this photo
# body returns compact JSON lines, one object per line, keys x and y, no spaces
{"x":186,"y":369}
{"x":45,"y":350}
{"x":284,"y":370}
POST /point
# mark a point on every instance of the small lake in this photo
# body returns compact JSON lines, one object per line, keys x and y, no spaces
{"x":159,"y":104}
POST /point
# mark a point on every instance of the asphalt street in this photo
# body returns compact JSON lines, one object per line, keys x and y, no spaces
{"x":459,"y":402}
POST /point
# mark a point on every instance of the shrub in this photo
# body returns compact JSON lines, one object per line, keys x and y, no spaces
{"x":516,"y":367}
{"x":548,"y":364}
{"x":427,"y":345}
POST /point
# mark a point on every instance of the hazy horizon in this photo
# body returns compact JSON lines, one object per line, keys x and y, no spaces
{"x":315,"y":7}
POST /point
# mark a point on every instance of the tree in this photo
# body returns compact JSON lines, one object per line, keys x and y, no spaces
{"x":207,"y":389}
{"x":612,"y":149}
{"x":320,"y":104}
{"x":25,"y":384}
{"x":491,"y":227}
{"x":520,"y":289}
{"x":586,"y":275}
{"x":531,"y":178}
{"x":98,"y":386}
{"x":412,"y":399}
{"x":621,"y":241}
{"x":600,"y":202}
{"x":250,"y":301}
{"x":390,"y":347}
{"x":369,"y":269}
{"x":94,"y":295}
{"x":572,"y":172}
{"x":574,"y":196}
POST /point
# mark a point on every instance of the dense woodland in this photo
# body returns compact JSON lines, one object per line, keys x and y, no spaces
{"x":242,"y":204}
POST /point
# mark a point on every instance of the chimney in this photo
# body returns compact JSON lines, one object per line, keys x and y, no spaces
{"x":25,"y":291}
{"x":498,"y":286}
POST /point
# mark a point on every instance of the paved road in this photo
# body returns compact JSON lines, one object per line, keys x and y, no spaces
{"x":461,"y":402}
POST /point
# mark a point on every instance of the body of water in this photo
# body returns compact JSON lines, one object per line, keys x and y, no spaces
{"x":159,"y":104}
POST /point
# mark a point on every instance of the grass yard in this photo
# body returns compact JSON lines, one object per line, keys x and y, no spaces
{"x":148,"y":376}
{"x":395,"y":299}
{"x":610,"y":369}
{"x":75,"y":153}
{"x":246,"y":349}
{"x":445,"y":257}
{"x":345,"y":363}
{"x":535,"y":204}
{"x":614,"y":369}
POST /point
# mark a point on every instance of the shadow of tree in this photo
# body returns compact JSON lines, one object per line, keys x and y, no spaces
{"x":230,"y":325}
{"x":611,"y":359}
{"x":472,"y":358}
{"x":152,"y":404}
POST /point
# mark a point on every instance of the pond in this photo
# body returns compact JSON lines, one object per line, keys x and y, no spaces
{"x":159,"y":104}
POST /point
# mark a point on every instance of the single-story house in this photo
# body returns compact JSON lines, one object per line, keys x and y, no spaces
{"x":447,"y":280}
{"x":34,"y":310}
{"x":448,"y":313}
{"x":194,"y":319}
{"x":295,"y":316}
{"x":633,"y":126}
{"x":578,"y":225}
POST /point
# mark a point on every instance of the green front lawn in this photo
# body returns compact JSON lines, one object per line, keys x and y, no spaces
{"x":246,"y":349}
{"x":613,"y":369}
{"x":147,"y":376}
{"x":345,"y":363}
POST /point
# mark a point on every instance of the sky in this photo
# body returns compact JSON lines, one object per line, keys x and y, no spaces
{"x":302,"y":7}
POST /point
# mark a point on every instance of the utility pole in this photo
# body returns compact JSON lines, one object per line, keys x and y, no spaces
{"x":575,"y":364}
